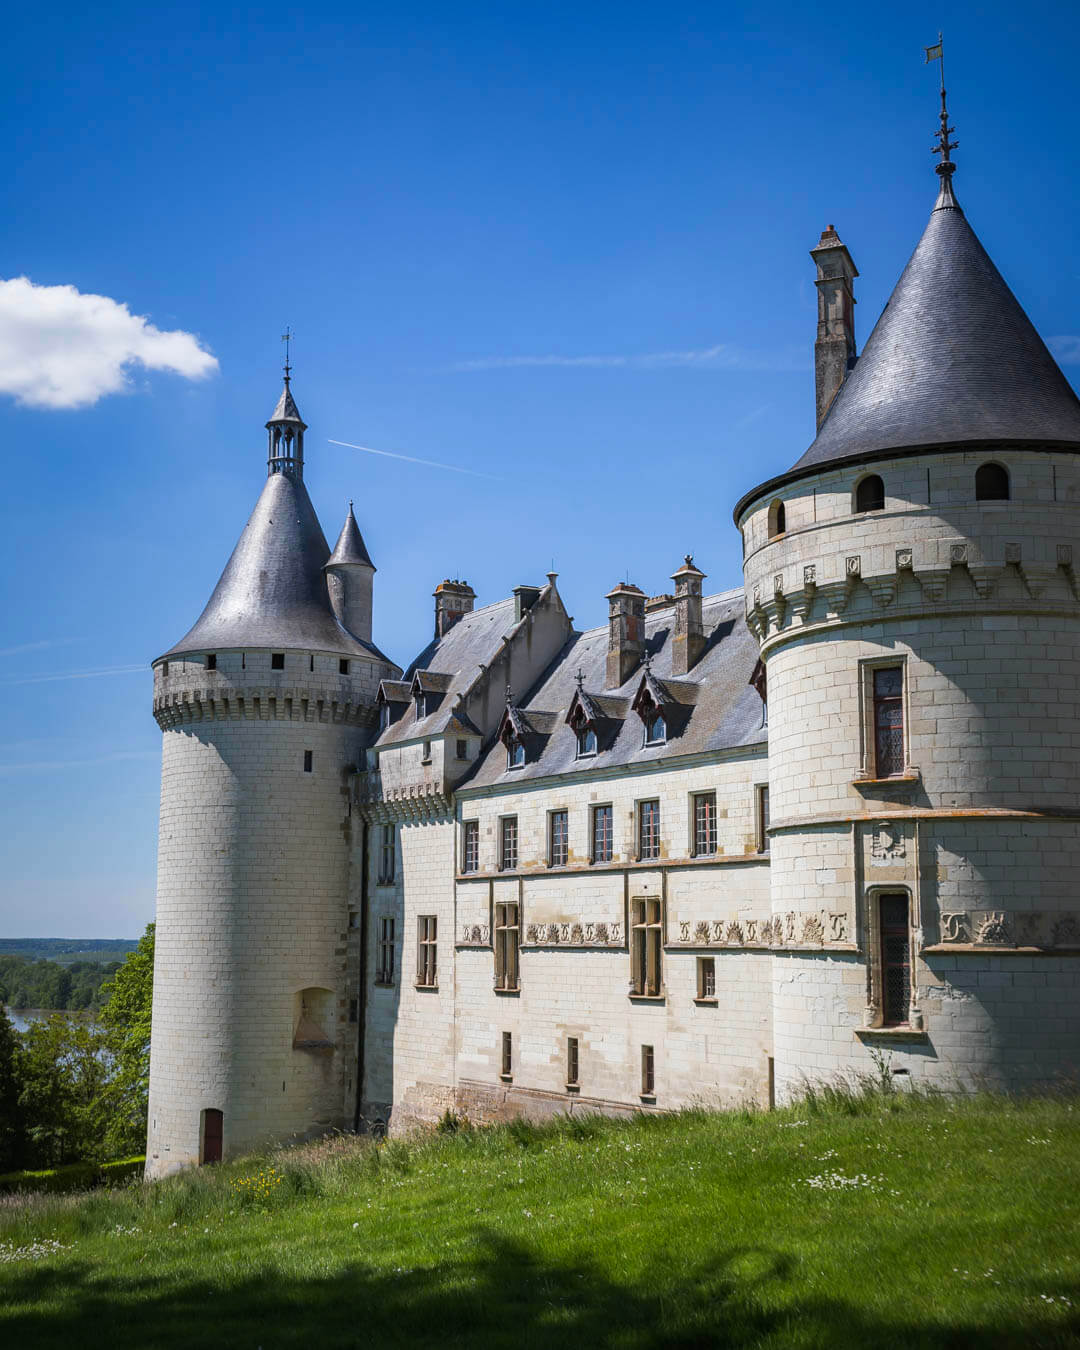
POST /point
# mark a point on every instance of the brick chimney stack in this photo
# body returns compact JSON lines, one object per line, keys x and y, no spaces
{"x":689,"y":640}
{"x":834,"y":350}
{"x":453,"y":600}
{"x":626,"y":632}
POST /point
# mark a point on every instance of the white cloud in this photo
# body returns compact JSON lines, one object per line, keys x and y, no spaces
{"x":1066,"y":349}
{"x":62,"y":349}
{"x":721,"y":356}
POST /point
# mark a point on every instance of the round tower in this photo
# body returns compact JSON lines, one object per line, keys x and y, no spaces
{"x":912,"y":584}
{"x":264,"y":706}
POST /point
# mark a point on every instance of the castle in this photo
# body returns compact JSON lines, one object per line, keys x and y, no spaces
{"x":722,"y":843}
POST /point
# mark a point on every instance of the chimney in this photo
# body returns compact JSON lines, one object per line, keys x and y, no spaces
{"x":834,"y":350}
{"x":689,"y":640}
{"x":626,"y":632}
{"x":453,"y":600}
{"x":524,"y":598}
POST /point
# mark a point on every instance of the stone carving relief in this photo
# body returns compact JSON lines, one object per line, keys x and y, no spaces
{"x":958,"y":553}
{"x":573,"y":934}
{"x":887,"y":843}
{"x":475,"y":935}
{"x":903,"y":560}
{"x":1009,"y":928}
{"x":794,"y":929}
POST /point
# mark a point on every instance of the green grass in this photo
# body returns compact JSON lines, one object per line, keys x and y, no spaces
{"x":677,"y":1231}
{"x":72,"y":1176}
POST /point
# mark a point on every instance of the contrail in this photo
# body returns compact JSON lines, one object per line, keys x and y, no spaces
{"x":411,"y":459}
{"x":77,"y":675}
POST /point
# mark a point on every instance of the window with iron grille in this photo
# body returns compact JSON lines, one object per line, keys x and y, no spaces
{"x":470,"y":853}
{"x":648,"y":1072}
{"x":571,"y":1061}
{"x":889,"y":721}
{"x":763,"y":819}
{"x":508,"y":844}
{"x":601,"y":834}
{"x":384,"y":972}
{"x":506,"y":946}
{"x":507,"y":1054}
{"x":558,"y":839}
{"x":645,"y":946}
{"x":706,"y":977}
{"x":704,"y":824}
{"x":426,"y":951}
{"x":387,"y":852}
{"x":895,"y":959}
{"x":649,"y":829}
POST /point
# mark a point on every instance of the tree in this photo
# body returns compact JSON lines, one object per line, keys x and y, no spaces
{"x":125,"y":1015}
{"x":11,"y":1131}
{"x":63,"y":1098}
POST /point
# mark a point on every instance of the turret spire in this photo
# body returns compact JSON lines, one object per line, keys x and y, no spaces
{"x":286,"y":428}
{"x":946,"y":168}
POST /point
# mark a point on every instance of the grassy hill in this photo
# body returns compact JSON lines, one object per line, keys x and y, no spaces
{"x":877,"y":1220}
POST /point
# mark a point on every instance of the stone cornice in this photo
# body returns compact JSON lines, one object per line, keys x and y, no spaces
{"x":178,"y":706}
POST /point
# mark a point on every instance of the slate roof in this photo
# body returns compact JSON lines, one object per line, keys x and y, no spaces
{"x":350,"y":547}
{"x":458,"y":654}
{"x":952,"y":359}
{"x":272,"y":592}
{"x":286,"y":409}
{"x":727,"y":713}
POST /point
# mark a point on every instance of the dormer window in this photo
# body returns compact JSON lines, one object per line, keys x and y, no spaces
{"x":384,"y":717}
{"x":586,"y":741}
{"x":515,"y":755}
{"x":655,"y":729}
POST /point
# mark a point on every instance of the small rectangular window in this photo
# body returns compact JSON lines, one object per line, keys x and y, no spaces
{"x":277,"y":660}
{"x":425,"y":757}
{"x":558,"y":839}
{"x":211,"y":661}
{"x":645,"y":947}
{"x":309,"y":759}
{"x":463,"y":749}
{"x":648,"y":830}
{"x":704,"y":824}
{"x":343,"y":666}
{"x":470,"y":852}
{"x":895,"y":959}
{"x":763,"y":819}
{"x":706,"y":977}
{"x":507,"y":1054}
{"x":889,"y":721}
{"x":601,"y":834}
{"x":384,"y":972}
{"x":572,"y":1061}
{"x":354,"y":1009}
{"x":426,"y":951}
{"x":506,"y":946}
{"x":164,"y":668}
{"x":648,"y":1072}
{"x":508,"y":844}
{"x":387,"y":854}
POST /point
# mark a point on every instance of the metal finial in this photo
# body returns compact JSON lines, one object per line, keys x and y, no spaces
{"x":648,"y":661}
{"x":946,"y":168}
{"x":509,"y":696}
{"x":580,"y":678}
{"x":689,"y":557}
{"x":287,"y":337}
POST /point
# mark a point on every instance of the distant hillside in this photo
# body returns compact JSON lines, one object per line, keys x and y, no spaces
{"x":66,"y":951}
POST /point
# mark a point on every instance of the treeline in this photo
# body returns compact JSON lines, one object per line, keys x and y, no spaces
{"x":67,"y":950}
{"x":76,"y":1091}
{"x":45,"y":984}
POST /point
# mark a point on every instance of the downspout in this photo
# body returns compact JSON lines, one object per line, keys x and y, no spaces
{"x":361,"y":1001}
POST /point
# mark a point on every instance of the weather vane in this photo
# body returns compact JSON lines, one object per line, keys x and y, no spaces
{"x":287,"y":337}
{"x":946,"y":168}
{"x":580,"y":678}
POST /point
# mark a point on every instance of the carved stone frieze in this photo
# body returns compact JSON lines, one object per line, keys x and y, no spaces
{"x":796,"y":929}
{"x":474,"y":935}
{"x":887,"y":843}
{"x":573,"y":934}
{"x":1010,"y":928}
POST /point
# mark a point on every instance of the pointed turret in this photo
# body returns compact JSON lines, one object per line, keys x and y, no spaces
{"x":286,"y":433}
{"x":349,"y":576}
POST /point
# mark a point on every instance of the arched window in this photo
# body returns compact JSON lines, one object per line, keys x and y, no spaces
{"x":991,"y":483}
{"x":777,"y":520}
{"x":870,"y":494}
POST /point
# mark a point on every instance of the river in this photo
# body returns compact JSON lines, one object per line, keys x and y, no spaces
{"x":21,"y":1020}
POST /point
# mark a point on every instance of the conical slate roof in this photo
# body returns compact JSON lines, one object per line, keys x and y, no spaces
{"x":350,"y":547}
{"x":286,"y":409}
{"x":953,"y":358}
{"x":272,"y":592}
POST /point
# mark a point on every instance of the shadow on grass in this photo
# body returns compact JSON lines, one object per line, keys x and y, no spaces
{"x":505,"y":1297}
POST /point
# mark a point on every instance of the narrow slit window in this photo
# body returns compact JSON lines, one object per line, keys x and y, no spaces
{"x":507,"y":1054}
{"x":763,"y":819}
{"x":387,"y":854}
{"x":572,"y":1079}
{"x":558,"y":838}
{"x":506,"y":946}
{"x":645,"y":947}
{"x":895,"y":959}
{"x":427,"y":951}
{"x":704,"y":824}
{"x":601,"y":834}
{"x":648,"y":1072}
{"x":309,"y":761}
{"x":384,"y":972}
{"x":889,"y":721}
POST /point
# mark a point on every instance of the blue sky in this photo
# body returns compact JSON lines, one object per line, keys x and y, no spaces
{"x":561,"y":246}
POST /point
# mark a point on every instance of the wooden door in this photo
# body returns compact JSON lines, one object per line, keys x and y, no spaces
{"x":212,"y":1132}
